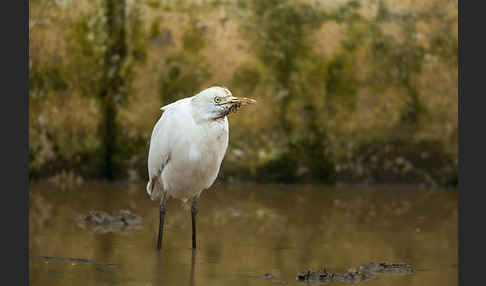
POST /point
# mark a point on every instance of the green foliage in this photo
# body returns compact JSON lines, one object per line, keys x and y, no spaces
{"x":187,"y":69}
{"x":154,"y":29}
{"x":346,"y":13}
{"x":444,"y":44}
{"x":95,"y":53}
{"x":246,"y":79}
{"x":87,"y":51}
{"x":106,"y":43}
{"x":341,"y":84}
{"x":280,"y":42}
{"x":153,"y":3}
{"x":44,"y":80}
{"x":396,"y":60}
{"x":281,"y":34}
{"x":193,"y":39}
{"x":137,"y":36}
{"x":283,"y":44}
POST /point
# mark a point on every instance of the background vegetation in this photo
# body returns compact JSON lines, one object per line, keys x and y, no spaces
{"x":348,"y":91}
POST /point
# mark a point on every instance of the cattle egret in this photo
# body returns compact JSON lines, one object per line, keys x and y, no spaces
{"x":187,"y":146}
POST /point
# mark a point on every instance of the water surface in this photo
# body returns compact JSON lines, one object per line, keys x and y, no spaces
{"x":243,"y":233}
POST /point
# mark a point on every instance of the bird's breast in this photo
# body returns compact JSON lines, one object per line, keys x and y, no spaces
{"x":196,"y":160}
{"x":210,"y":146}
{"x":194,"y":155}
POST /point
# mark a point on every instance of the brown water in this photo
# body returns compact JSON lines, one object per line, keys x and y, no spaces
{"x":243,"y":233}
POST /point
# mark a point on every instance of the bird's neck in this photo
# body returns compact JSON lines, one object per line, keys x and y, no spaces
{"x":202,"y":116}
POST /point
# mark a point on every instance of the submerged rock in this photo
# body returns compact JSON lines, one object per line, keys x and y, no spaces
{"x":387,"y":268}
{"x":100,"y":221}
{"x":267,"y":276}
{"x":351,"y":276}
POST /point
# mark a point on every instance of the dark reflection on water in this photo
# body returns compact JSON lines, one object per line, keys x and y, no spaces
{"x":243,"y":233}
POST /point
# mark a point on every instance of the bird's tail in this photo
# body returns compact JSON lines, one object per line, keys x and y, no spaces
{"x":154,"y":189}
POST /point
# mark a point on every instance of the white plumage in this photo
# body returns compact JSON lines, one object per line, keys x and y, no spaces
{"x":185,"y":152}
{"x":188,"y":144}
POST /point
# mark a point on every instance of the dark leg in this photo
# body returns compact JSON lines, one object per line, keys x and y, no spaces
{"x":161,"y":223}
{"x":194,"y":213}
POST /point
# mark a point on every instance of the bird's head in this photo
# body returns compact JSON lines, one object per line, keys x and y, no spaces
{"x":217,"y":102}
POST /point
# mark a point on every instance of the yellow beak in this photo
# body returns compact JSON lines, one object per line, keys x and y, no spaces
{"x":238,"y":100}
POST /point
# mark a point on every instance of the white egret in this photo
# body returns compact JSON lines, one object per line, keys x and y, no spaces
{"x":187,"y":146}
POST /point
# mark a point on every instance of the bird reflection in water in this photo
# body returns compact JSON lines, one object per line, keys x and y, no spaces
{"x":159,"y":272}
{"x":193,"y":267}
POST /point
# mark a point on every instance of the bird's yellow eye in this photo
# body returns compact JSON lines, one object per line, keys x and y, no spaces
{"x":217,"y":99}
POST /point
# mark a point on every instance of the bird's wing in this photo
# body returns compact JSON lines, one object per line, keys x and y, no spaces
{"x":159,"y":155}
{"x":161,"y":143}
{"x":159,"y":151}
